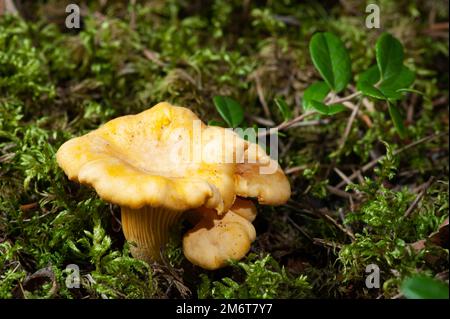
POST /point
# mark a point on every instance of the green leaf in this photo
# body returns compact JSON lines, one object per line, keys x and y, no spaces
{"x":284,"y":108}
{"x":322,"y":108}
{"x":313,"y":97}
{"x":389,"y":54}
{"x":230,"y":110}
{"x":315,"y":92}
{"x":331,"y":59}
{"x":371,"y":75}
{"x":390,"y":86}
{"x":318,"y":106}
{"x":397,"y":119}
{"x":216,"y":123}
{"x":421,"y":287}
{"x":369,"y":90}
{"x":336,"y":108}
{"x":424,"y":96}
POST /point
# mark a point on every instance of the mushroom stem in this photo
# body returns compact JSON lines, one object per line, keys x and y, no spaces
{"x":148,"y":227}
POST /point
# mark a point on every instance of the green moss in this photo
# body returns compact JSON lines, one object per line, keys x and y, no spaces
{"x":264,"y":279}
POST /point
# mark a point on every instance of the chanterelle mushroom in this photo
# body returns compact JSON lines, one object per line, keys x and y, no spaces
{"x":148,"y":164}
{"x":216,"y":239}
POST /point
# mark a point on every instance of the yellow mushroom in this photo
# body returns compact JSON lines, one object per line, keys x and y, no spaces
{"x":261,"y":177}
{"x":244,"y":208}
{"x":160,"y":163}
{"x":216,"y":239}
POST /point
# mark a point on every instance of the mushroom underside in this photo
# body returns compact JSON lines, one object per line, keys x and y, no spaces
{"x":211,"y":243}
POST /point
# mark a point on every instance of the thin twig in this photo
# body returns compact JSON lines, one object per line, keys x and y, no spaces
{"x":153,"y":56}
{"x":295,"y":122}
{"x":342,"y":216}
{"x":7,"y":6}
{"x":335,"y":100}
{"x":287,"y":148}
{"x":299,"y":228}
{"x":419,"y":197}
{"x":341,"y":193}
{"x":295,"y":169}
{"x":360,"y":114}
{"x":349,"y":126}
{"x":261,"y":120}
{"x":133,"y":14}
{"x":326,"y":243}
{"x":262,"y":99}
{"x":342,"y":175}
{"x":311,"y":123}
{"x":336,"y":224}
{"x":287,"y":124}
{"x":401,"y":150}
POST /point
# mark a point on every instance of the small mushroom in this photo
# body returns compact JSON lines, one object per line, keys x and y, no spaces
{"x":216,"y":239}
{"x":144,"y":163}
{"x":261,"y":177}
{"x":244,"y":208}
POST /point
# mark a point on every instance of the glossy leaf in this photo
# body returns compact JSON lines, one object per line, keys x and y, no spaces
{"x":230,"y":110}
{"x":369,"y":90}
{"x":389,"y":54}
{"x":371,"y":75}
{"x":421,"y":287}
{"x":397,"y":119}
{"x":315,"y":92}
{"x":320,"y":107}
{"x":324,"y":109}
{"x":390,"y":87}
{"x":331,"y":59}
{"x":336,"y":108}
{"x":216,"y":123}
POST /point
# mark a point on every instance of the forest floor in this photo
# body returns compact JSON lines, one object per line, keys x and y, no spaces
{"x":361,"y":194}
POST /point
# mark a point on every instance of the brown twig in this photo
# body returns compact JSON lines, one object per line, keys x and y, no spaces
{"x":133,"y":14}
{"x":262,"y":99}
{"x":374,"y":162}
{"x":419,"y":197}
{"x":342,"y":175}
{"x":441,"y":26}
{"x":299,"y":228}
{"x":336,"y":224}
{"x":349,"y":126}
{"x":341,"y":193}
{"x":295,"y":169}
{"x":153,"y":56}
{"x":261,"y":120}
{"x":326,"y":243}
{"x":7,"y":6}
{"x":287,"y":124}
{"x":334,"y":99}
